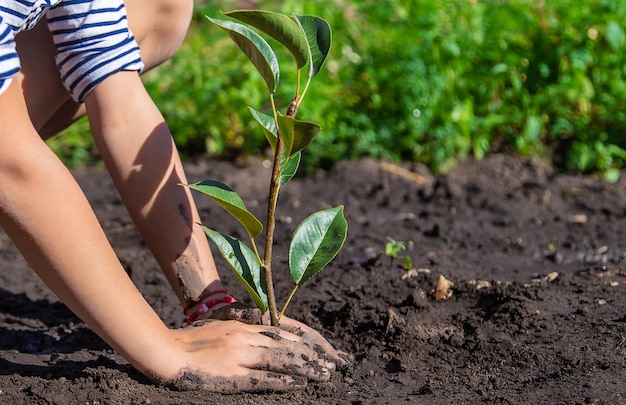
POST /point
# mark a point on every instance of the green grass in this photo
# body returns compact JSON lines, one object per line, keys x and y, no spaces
{"x":429,"y":81}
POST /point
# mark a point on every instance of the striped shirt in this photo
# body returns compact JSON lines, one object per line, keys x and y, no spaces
{"x":92,"y":40}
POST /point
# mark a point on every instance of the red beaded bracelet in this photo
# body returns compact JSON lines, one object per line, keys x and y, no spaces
{"x":205,"y":306}
{"x":201,"y":297}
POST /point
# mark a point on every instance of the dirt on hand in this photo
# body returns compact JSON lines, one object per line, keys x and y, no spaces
{"x":534,"y":308}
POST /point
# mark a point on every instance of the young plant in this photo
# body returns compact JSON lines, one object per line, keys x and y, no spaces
{"x":392,"y":250}
{"x":318,"y":239}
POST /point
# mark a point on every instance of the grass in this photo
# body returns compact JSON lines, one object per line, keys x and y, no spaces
{"x":429,"y":81}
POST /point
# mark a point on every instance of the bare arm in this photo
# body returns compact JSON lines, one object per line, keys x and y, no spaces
{"x":140,"y":154}
{"x":45,"y":213}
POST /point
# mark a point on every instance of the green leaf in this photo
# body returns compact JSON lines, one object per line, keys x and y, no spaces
{"x":289,"y":169}
{"x":255,"y":48}
{"x":280,"y":27}
{"x":316,"y":242}
{"x":228,"y":199}
{"x":615,"y":36}
{"x":245,"y":265}
{"x":318,"y":35}
{"x":268,"y":125}
{"x":296,"y":134}
{"x":611,"y":175}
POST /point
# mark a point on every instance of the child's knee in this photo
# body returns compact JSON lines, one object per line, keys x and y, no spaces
{"x":177,"y":17}
{"x":159,"y":26}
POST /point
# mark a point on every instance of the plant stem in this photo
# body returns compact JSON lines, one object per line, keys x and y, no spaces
{"x":255,"y":249}
{"x":282,"y":312}
{"x":292,"y":110}
{"x":299,"y":99}
{"x":271,"y":225}
{"x":298,"y":75}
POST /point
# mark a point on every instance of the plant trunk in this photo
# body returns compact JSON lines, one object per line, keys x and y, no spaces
{"x":269,"y":235}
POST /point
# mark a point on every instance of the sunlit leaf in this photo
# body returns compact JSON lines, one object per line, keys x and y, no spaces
{"x":245,"y":265}
{"x":316,"y":242}
{"x":318,"y":35}
{"x":268,"y":125}
{"x":228,"y":199}
{"x":611,"y":175}
{"x":255,"y":48}
{"x":290,"y":169}
{"x":296,"y":134}
{"x":615,"y":36}
{"x":280,"y":27}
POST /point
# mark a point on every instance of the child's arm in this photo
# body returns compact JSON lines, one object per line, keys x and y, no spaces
{"x":138,"y":150}
{"x":45,"y":213}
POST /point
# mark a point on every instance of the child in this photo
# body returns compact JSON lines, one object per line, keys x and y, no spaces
{"x":59,"y":60}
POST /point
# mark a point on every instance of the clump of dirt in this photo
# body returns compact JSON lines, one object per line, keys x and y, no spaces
{"x":534,"y":312}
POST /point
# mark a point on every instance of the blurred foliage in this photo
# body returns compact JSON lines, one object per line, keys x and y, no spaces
{"x":421,"y":80}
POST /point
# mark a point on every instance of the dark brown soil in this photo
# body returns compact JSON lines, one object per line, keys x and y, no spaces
{"x":537,"y":313}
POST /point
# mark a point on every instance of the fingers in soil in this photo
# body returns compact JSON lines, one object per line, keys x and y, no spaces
{"x":287,"y":362}
{"x":347,"y":358}
{"x":256,"y":381}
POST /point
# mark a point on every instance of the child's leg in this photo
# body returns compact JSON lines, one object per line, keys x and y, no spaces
{"x":145,"y":167}
{"x":159,"y":27}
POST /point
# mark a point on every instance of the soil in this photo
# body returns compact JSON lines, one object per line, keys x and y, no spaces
{"x":536,"y":313}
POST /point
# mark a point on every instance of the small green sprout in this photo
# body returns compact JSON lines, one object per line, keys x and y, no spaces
{"x":392,"y":250}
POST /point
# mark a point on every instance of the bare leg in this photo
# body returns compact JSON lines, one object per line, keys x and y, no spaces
{"x":145,"y":165}
{"x":159,"y":27}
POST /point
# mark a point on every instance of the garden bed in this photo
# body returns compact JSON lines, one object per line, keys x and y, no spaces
{"x":536,"y":313}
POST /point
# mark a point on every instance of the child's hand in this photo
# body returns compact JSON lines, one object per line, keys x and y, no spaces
{"x":231,"y":356}
{"x":320,"y":344}
{"x":252,"y":315}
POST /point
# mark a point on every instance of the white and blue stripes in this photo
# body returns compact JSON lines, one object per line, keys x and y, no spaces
{"x":9,"y":61}
{"x":91,"y":36}
{"x":23,"y":14}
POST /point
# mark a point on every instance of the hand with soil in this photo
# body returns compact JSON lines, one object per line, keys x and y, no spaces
{"x":251,"y":315}
{"x":231,"y":356}
{"x":320,"y":344}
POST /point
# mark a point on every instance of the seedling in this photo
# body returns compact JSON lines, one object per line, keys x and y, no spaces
{"x":392,"y":250}
{"x":317,"y":240}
